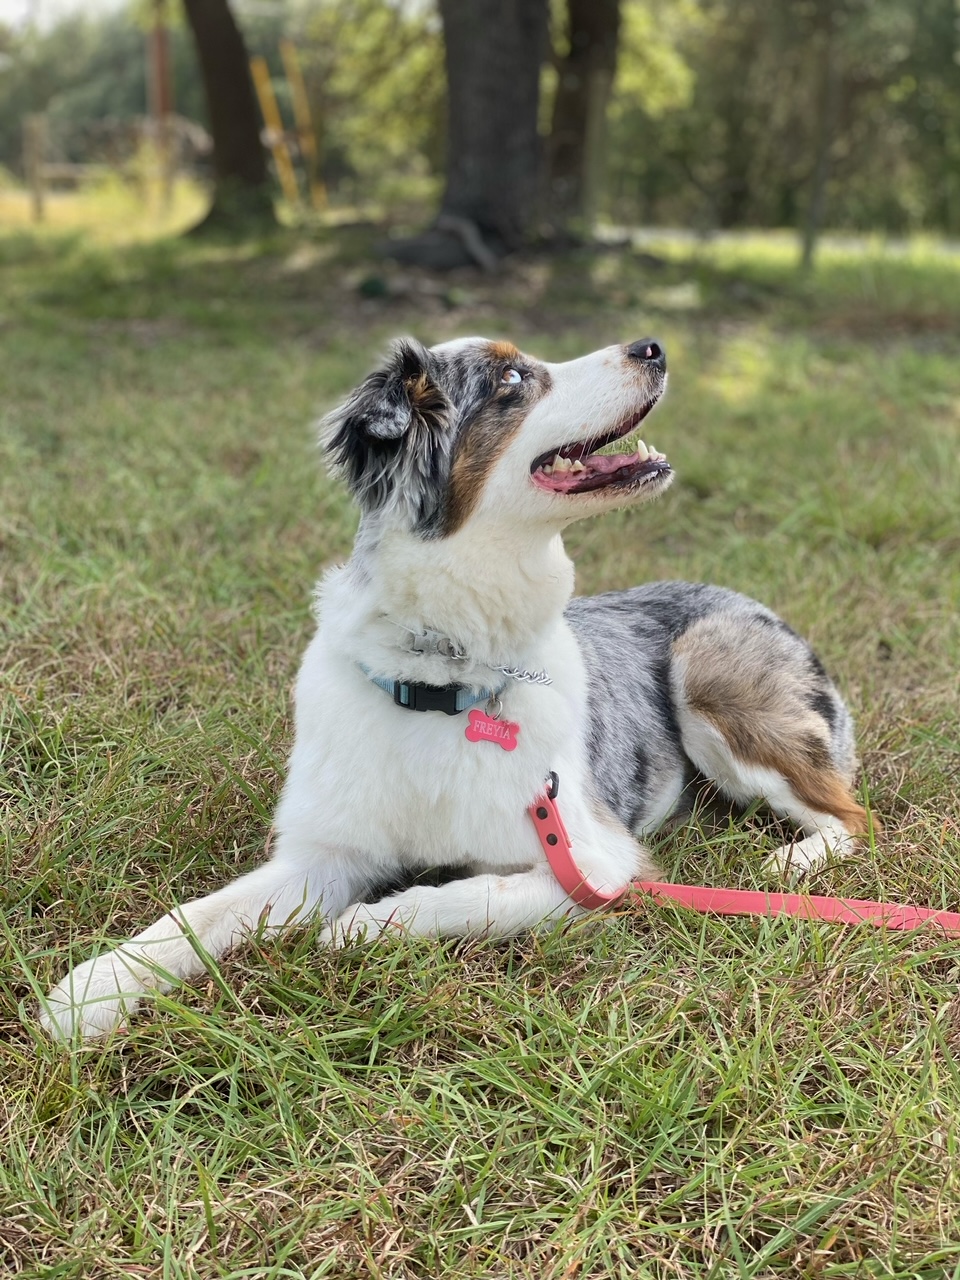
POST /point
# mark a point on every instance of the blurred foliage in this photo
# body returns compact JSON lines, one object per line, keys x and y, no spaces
{"x":742,"y":149}
{"x":89,"y":76}
{"x":717,"y":118}
{"x":377,"y":96}
{"x":653,"y":76}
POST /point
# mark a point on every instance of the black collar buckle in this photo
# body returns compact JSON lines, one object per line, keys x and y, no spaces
{"x":427,"y":697}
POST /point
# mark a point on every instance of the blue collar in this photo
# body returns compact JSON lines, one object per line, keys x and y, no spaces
{"x":448,"y":698}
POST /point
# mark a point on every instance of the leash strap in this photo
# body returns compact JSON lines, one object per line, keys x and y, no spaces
{"x":743,"y":902}
{"x":726,"y":902}
{"x":556,"y":845}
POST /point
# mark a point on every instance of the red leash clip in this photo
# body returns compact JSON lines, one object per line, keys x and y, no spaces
{"x":556,"y":845}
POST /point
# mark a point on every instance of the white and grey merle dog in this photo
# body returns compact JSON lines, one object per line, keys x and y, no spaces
{"x":467,"y":461}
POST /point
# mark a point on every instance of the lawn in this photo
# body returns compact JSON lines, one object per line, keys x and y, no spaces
{"x":657,"y":1094}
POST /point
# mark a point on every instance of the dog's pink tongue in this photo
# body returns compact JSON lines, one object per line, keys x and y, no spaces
{"x":595,"y":464}
{"x":609,"y":461}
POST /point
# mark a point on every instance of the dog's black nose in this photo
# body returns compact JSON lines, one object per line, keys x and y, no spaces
{"x":648,"y":352}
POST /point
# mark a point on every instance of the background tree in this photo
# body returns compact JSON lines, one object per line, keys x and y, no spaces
{"x":578,"y":132}
{"x":721,"y":112}
{"x":242,"y":193}
{"x":494,"y":50}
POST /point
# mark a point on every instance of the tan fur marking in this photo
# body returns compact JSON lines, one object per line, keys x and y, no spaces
{"x":420,"y":389}
{"x":489,"y":434}
{"x":504,"y":351}
{"x":752,"y":685}
{"x":486,"y":438}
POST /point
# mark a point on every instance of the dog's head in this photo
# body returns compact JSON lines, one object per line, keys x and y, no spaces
{"x":440,"y":435}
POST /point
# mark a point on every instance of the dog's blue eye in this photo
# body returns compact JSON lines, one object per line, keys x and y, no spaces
{"x":512,"y":376}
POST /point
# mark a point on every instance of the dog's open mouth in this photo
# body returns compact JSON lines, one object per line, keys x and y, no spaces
{"x":581,"y":467}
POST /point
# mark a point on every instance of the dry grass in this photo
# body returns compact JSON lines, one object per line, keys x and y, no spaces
{"x":109,"y":210}
{"x":659,"y":1094}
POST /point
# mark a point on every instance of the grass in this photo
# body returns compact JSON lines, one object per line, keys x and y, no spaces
{"x":657,"y":1095}
{"x":107,"y":209}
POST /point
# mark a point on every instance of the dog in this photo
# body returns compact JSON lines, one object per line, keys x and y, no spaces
{"x":454,"y":613}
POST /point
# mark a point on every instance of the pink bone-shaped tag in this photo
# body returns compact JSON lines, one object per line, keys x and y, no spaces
{"x":483,"y":728}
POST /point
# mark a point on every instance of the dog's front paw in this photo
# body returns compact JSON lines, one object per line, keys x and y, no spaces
{"x":361,"y":923}
{"x":92,"y":1000}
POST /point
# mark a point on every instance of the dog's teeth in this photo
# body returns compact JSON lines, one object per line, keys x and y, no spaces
{"x":560,"y":463}
{"x":578,"y":466}
{"x":547,"y":469}
{"x":643,"y":453}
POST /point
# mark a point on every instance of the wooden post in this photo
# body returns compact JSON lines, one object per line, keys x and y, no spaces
{"x":829,"y":105}
{"x":274,"y":123}
{"x":160,"y":95}
{"x":304,"y":122}
{"x":34,"y":154}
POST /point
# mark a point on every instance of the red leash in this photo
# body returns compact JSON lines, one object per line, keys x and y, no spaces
{"x":725,"y":902}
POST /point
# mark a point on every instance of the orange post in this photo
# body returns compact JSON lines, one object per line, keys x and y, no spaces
{"x":274,"y":123}
{"x":304,"y":121}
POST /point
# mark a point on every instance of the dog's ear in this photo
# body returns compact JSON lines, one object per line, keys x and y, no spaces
{"x":390,"y":401}
{"x":386,"y":435}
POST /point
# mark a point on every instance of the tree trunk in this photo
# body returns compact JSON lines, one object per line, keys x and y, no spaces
{"x":826,"y":127}
{"x":494,"y":51}
{"x":578,"y":134}
{"x":242,"y":195}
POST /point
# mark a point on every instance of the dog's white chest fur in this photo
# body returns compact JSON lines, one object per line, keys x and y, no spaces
{"x":412,"y":786}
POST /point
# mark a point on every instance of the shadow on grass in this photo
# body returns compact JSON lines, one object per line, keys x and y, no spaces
{"x":330,"y":279}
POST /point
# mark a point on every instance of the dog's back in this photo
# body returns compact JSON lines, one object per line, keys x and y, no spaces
{"x":633,"y":643}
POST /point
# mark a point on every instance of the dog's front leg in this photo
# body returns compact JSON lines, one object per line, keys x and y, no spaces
{"x":501,"y":904}
{"x":94,"y":997}
{"x":498,"y":905}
